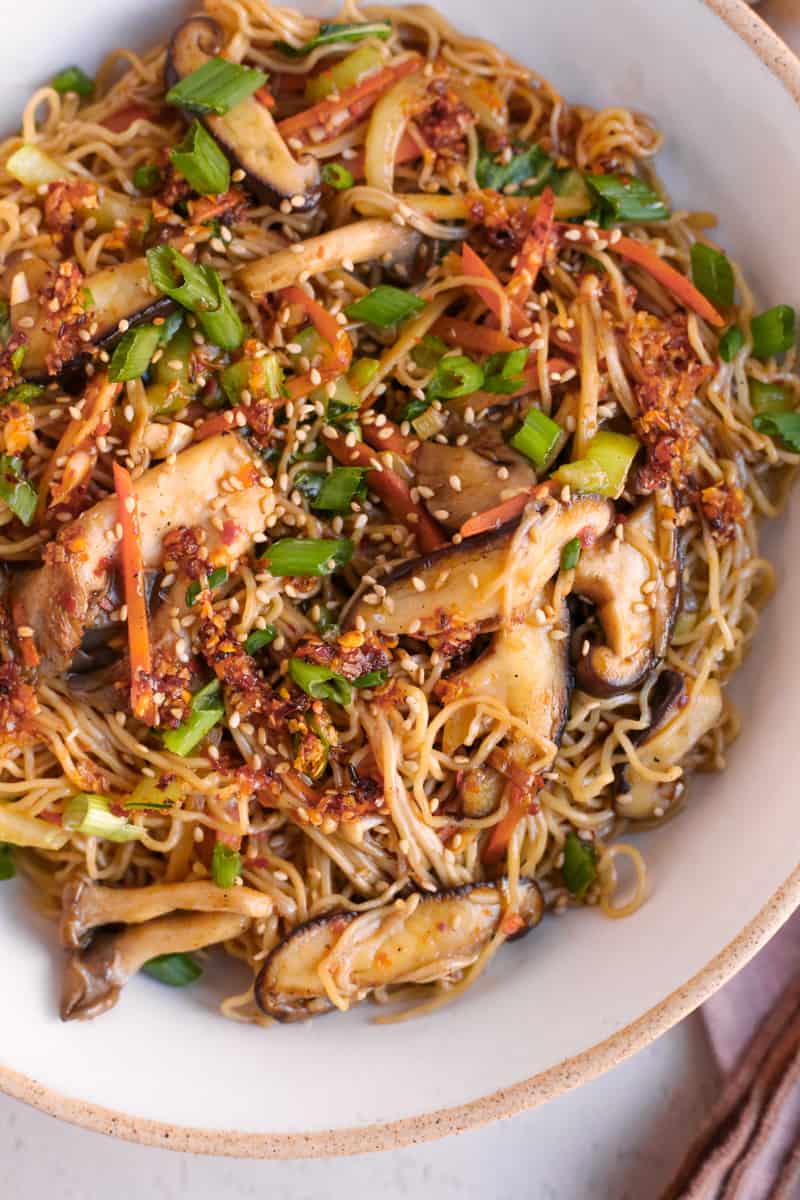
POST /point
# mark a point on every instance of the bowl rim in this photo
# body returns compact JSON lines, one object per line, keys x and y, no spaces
{"x":781,"y":61}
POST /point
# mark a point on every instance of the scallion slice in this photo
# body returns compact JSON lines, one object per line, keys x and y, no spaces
{"x":769,"y":397}
{"x":147,"y":177}
{"x":259,"y":639}
{"x":148,"y":794}
{"x":320,"y":682}
{"x":133,"y":353}
{"x":176,"y":970}
{"x":339,"y":489}
{"x":15,"y":490}
{"x":91,"y":815}
{"x":580,"y":865}
{"x":385,"y":305}
{"x":23,"y":393}
{"x":712,"y":274}
{"x":503,"y":372}
{"x":207,"y":709}
{"x":613,"y":453}
{"x":731,"y":343}
{"x":626,"y":198}
{"x":429,"y":351}
{"x":537,"y":438}
{"x":372,"y":679}
{"x":331,"y":31}
{"x":455,"y":375}
{"x":773,"y":331}
{"x":782,"y":425}
{"x":570,"y":555}
{"x":337,"y":176}
{"x":7,"y":868}
{"x":527,"y":171}
{"x":73,"y":79}
{"x":307,"y":556}
{"x":216,"y":87}
{"x":362,"y":372}
{"x":226,"y":865}
{"x":217,"y":577}
{"x":201,"y":162}
{"x":200,"y":290}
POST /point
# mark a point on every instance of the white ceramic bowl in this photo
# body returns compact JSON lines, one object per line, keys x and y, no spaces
{"x":581,"y":993}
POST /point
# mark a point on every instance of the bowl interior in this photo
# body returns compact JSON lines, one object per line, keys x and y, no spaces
{"x":732,"y":132}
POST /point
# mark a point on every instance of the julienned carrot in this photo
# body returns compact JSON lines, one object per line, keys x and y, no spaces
{"x":534,"y":251}
{"x":407,"y":151}
{"x":493,"y":518}
{"x":389,"y":437}
{"x":367,"y":90}
{"x":133,"y":580}
{"x":393,"y":491}
{"x":497,"y":842}
{"x":207,"y":207}
{"x":473,"y":265}
{"x":470,"y":336}
{"x":326,"y":325}
{"x":123,"y":118}
{"x":264,"y":96}
{"x":644,"y":256}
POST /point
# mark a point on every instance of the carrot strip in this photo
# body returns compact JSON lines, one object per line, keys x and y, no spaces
{"x":123,"y":118}
{"x":644,"y":256}
{"x":326,"y":325}
{"x":470,"y":336}
{"x":392,"y":490}
{"x":407,"y":151}
{"x":473,"y":265}
{"x":389,"y":437}
{"x":264,"y":96}
{"x":534,"y":250}
{"x":207,"y":207}
{"x":356,"y":100}
{"x":497,"y":842}
{"x":133,"y":578}
{"x":493,"y":518}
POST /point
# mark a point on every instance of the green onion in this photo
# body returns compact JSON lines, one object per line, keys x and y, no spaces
{"x":428,"y":352}
{"x":7,"y":868}
{"x":307,"y":556}
{"x":201,"y":291}
{"x":216,"y":87}
{"x":712,"y":274}
{"x":414,"y":409}
{"x":362,"y":372}
{"x":226,"y":865}
{"x":580,"y":866}
{"x":504,"y":371}
{"x":326,"y":621}
{"x":133,"y":353}
{"x":217,"y":577}
{"x":259,"y":639}
{"x":320,"y":682}
{"x":207,"y":709}
{"x":73,"y":79}
{"x":571,"y":184}
{"x":626,"y":198}
{"x":330,"y":31}
{"x":343,"y":74}
{"x":613,"y":453}
{"x":337,"y":176}
{"x":428,"y":423}
{"x":18,"y":358}
{"x":537,"y":438}
{"x":584,"y":477}
{"x":571,"y":554}
{"x":769,"y":397}
{"x":147,"y":794}
{"x":176,"y":970}
{"x":23,"y":393}
{"x":147,"y":177}
{"x":172,"y":383}
{"x":384,"y":306}
{"x":372,"y":679}
{"x":339,"y":489}
{"x":773,"y":331}
{"x":31,"y":167}
{"x":731,"y":343}
{"x":527,"y":171}
{"x":91,"y":815}
{"x":15,"y":490}
{"x":201,"y":162}
{"x":456,"y":375}
{"x":782,"y":425}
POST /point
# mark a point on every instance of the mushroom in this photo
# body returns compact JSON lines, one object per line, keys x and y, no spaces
{"x":637,"y":623}
{"x":86,"y":905}
{"x":479,"y":487}
{"x":678,"y":722}
{"x":423,"y":938}
{"x":360,"y":242}
{"x":247,"y":133}
{"x":58,"y":601}
{"x":483,"y":581}
{"x":95,"y":977}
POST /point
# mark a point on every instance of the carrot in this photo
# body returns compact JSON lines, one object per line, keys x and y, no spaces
{"x":534,"y":250}
{"x":389,"y":437}
{"x":326,"y":325}
{"x":123,"y":118}
{"x":208,"y":207}
{"x":407,"y":151}
{"x":475,"y":266}
{"x":493,"y":518}
{"x":356,"y":100}
{"x":392,"y":490}
{"x":497,"y":842}
{"x":264,"y":96}
{"x":133,"y":580}
{"x":77,"y":448}
{"x":470,"y":336}
{"x":644,"y":256}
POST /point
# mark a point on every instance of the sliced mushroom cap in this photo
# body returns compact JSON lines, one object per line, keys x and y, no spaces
{"x":57,"y":600}
{"x":637,"y":623}
{"x":679,"y":723}
{"x":430,"y":937}
{"x":95,"y":977}
{"x":247,"y":133}
{"x":478,"y":485}
{"x":485,"y":580}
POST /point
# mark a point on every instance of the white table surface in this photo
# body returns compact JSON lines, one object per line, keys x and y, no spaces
{"x":617,"y":1138}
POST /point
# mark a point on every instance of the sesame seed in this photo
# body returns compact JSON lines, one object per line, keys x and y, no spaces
{"x":129,"y":413}
{"x":573,"y":235}
{"x":238,"y":175}
{"x":473,"y":580}
{"x":455,"y":483}
{"x":296,"y":247}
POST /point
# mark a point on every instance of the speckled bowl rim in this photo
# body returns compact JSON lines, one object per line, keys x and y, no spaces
{"x":546,"y":1085}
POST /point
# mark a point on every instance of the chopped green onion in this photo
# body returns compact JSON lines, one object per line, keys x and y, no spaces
{"x":133,"y":353}
{"x":526,"y":172}
{"x":413,"y":409}
{"x":87,"y":299}
{"x":769,"y":397}
{"x":731,"y":343}
{"x":571,"y":185}
{"x":7,"y":868}
{"x":372,"y":679}
{"x":537,"y":438}
{"x":330,"y":31}
{"x":91,"y":815}
{"x":216,"y":87}
{"x":580,"y":865}
{"x":259,"y":639}
{"x":201,"y":162}
{"x":385,"y":305}
{"x":226,"y":865}
{"x":18,"y":358}
{"x":172,"y":377}
{"x":712,"y":274}
{"x":782,"y":425}
{"x":613,"y":453}
{"x":217,"y":577}
{"x":584,"y":477}
{"x":337,"y":176}
{"x":320,"y":682}
{"x":307,"y":556}
{"x":207,"y":709}
{"x":626,"y":198}
{"x":456,"y":375}
{"x":23,"y":393}
{"x":504,"y":371}
{"x":176,"y":970}
{"x":343,"y":74}
{"x":773,"y":331}
{"x":571,"y":554}
{"x":362,"y":372}
{"x":147,"y":177}
{"x":326,"y":621}
{"x":148,"y":795}
{"x":73,"y":79}
{"x":31,"y":167}
{"x":17,"y":492}
{"x":339,"y":489}
{"x":201,"y":291}
{"x":428,"y":352}
{"x":428,"y":423}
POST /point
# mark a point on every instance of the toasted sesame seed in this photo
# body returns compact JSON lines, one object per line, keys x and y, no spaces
{"x":455,"y":483}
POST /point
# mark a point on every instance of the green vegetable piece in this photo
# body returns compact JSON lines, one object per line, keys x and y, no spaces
{"x":175,"y":970}
{"x":504,"y":371}
{"x":362,"y":372}
{"x":456,"y":375}
{"x":614,"y":454}
{"x":207,"y":709}
{"x":226,"y":865}
{"x":200,"y":290}
{"x":537,"y":438}
{"x":782,"y":425}
{"x":773,"y":331}
{"x":147,"y":177}
{"x":216,"y":87}
{"x":91,"y":815}
{"x":17,"y":492}
{"x":372,"y":679}
{"x":307,"y":556}
{"x":526,"y":173}
{"x":570,"y":555}
{"x":337,"y":176}
{"x":149,"y":795}
{"x":385,"y":305}
{"x":259,"y":639}
{"x":201,"y":162}
{"x":413,"y":409}
{"x":583,"y":477}
{"x":731,"y":343}
{"x":73,"y":79}
{"x":712,"y":274}
{"x":326,"y":621}
{"x":769,"y":397}
{"x":173,"y":384}
{"x":626,"y":198}
{"x":429,"y":351}
{"x":133,"y":352}
{"x":331,"y":31}
{"x":580,"y":865}
{"x":23,"y":393}
{"x":320,"y":682}
{"x":339,"y":489}
{"x":18,"y":358}
{"x":7,"y":868}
